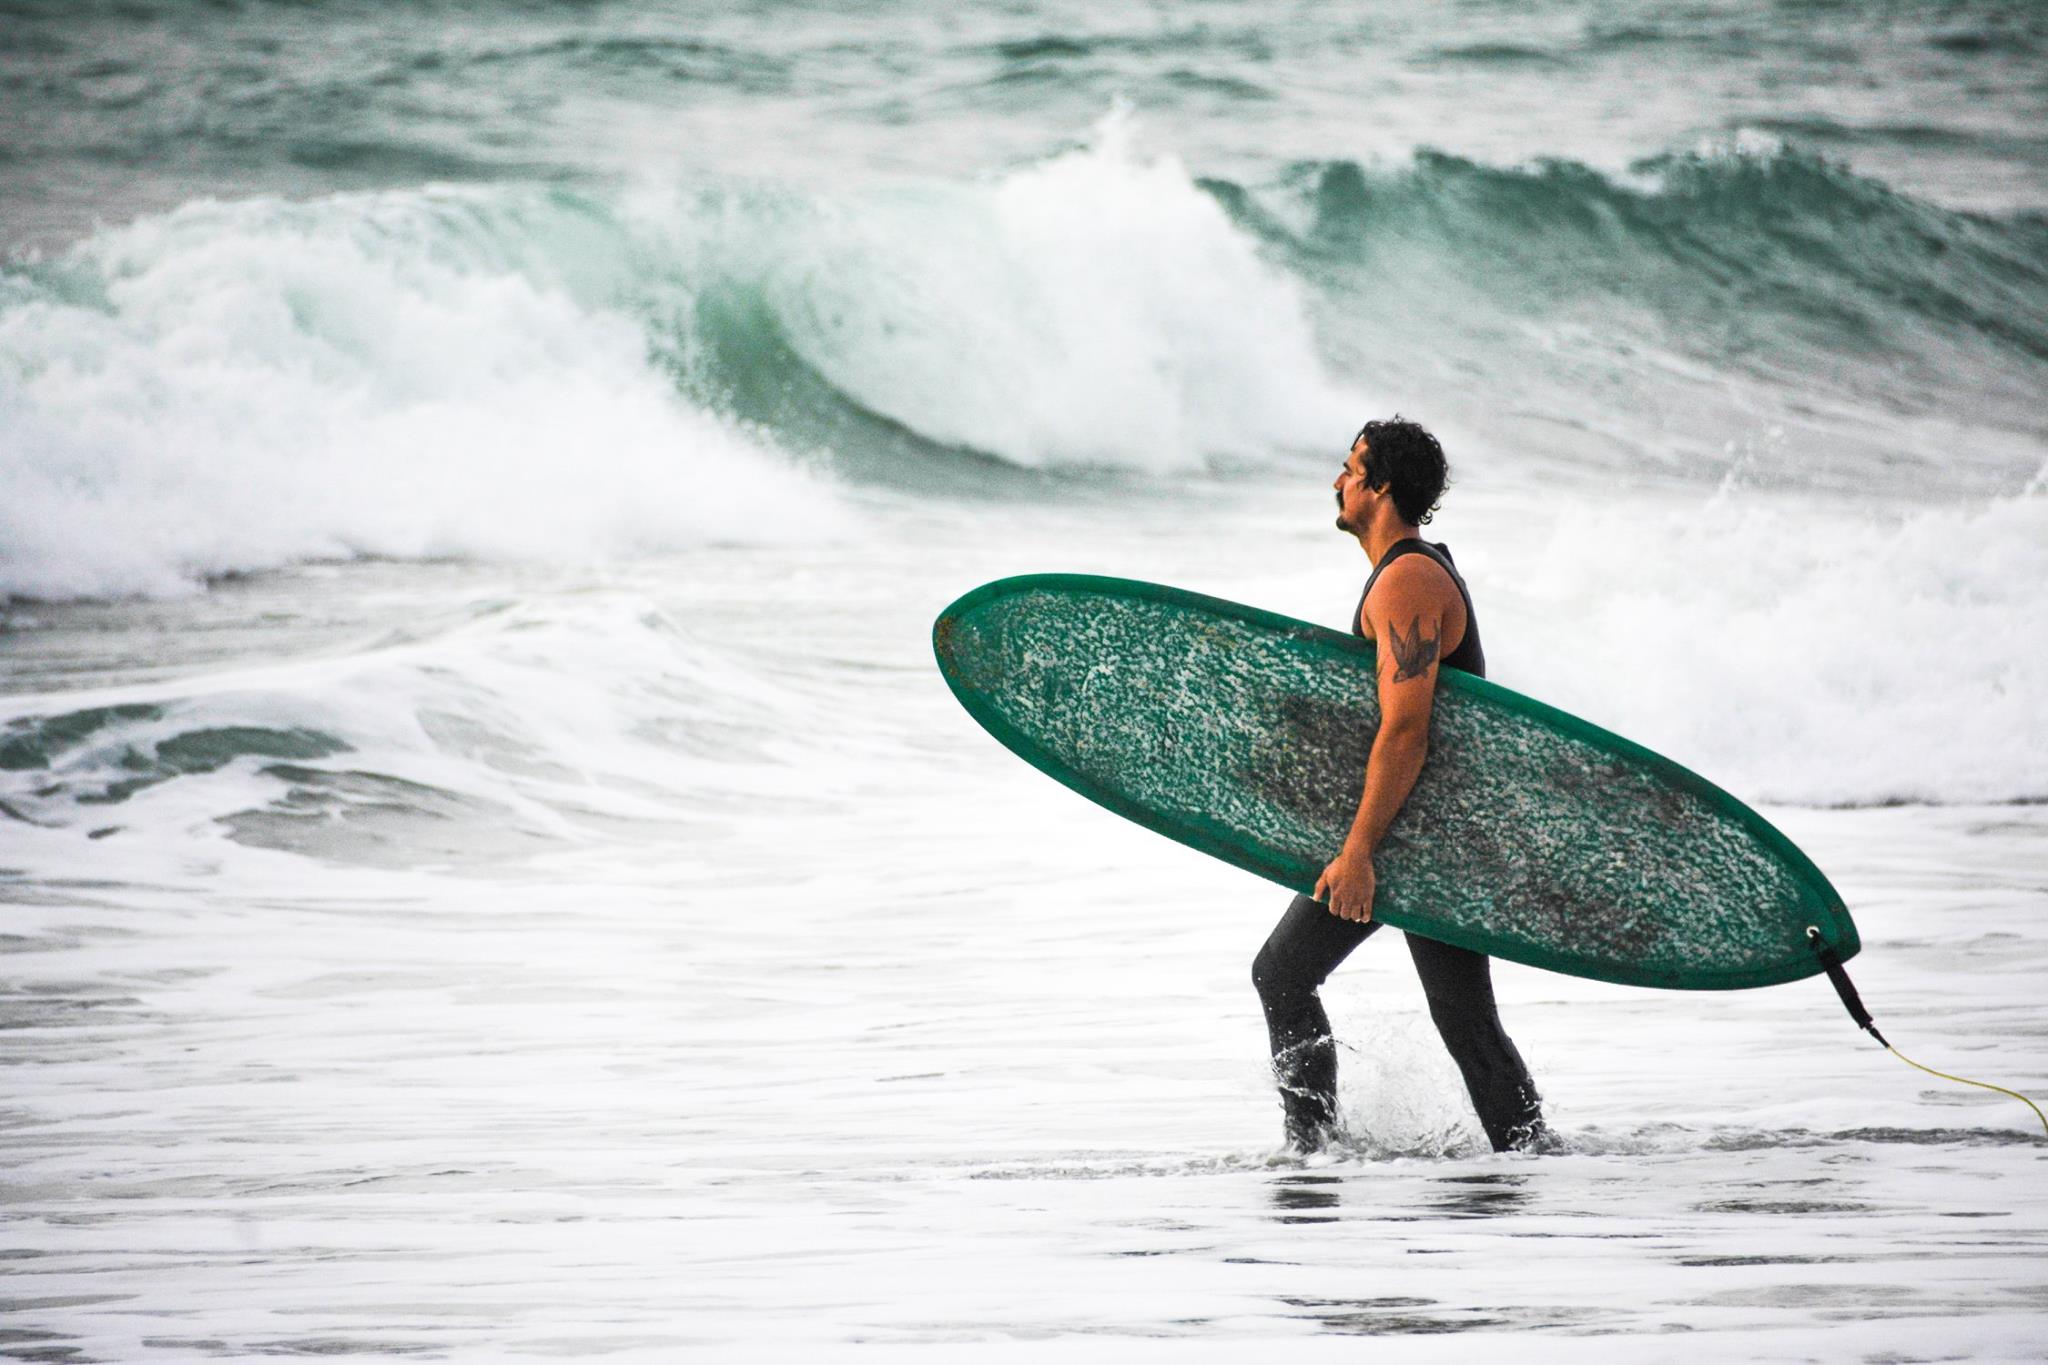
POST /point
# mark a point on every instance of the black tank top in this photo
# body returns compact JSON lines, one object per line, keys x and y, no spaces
{"x":1468,"y":655}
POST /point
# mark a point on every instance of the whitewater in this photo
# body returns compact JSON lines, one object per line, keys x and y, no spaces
{"x":488,"y":867}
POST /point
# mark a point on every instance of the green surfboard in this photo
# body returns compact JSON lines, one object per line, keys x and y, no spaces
{"x":1531,"y":835}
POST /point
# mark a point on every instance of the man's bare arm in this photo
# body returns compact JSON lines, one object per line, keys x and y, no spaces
{"x":1407,"y":615}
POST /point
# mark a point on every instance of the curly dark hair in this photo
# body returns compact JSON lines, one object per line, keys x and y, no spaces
{"x":1405,"y":459}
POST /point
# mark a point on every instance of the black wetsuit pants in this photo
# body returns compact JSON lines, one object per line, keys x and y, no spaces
{"x":1306,"y":946}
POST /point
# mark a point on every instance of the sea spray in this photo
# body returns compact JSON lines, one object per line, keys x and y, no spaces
{"x":1795,"y":650}
{"x":517,"y":372}
{"x":239,"y":386}
{"x":1095,"y":309}
{"x":512,"y":373}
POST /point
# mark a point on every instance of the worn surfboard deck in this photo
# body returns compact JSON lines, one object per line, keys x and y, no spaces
{"x":1531,"y":835}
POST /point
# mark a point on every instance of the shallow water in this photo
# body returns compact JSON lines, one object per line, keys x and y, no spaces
{"x":889,"y":1040}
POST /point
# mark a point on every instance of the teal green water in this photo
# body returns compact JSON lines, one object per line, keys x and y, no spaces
{"x":113,"y":107}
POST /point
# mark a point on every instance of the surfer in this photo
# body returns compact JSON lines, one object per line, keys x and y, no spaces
{"x":1417,"y":609}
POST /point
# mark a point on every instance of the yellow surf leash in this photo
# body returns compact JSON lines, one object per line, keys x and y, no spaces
{"x":1967,"y":1081}
{"x":1832,"y":965}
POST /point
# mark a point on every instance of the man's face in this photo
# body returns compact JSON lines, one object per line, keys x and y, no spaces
{"x":1353,"y":495}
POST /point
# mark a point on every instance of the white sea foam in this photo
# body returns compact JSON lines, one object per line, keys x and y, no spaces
{"x":809,"y":972}
{"x":1095,"y":309}
{"x":537,"y":726}
{"x":1795,"y":650}
{"x":234,"y":387}
{"x":1804,"y":652}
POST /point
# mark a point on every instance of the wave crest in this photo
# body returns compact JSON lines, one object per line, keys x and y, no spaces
{"x":514,"y":372}
{"x":1097,"y":309}
{"x":235,"y":387}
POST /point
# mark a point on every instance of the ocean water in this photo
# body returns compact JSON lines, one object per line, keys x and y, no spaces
{"x":488,"y":869}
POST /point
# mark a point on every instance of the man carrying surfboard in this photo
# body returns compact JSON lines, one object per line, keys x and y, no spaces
{"x":1418,"y":611}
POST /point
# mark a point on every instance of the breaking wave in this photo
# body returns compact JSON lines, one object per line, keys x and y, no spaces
{"x":517,"y":372}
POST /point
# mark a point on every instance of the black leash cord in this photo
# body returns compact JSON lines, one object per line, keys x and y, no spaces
{"x":1831,"y":963}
